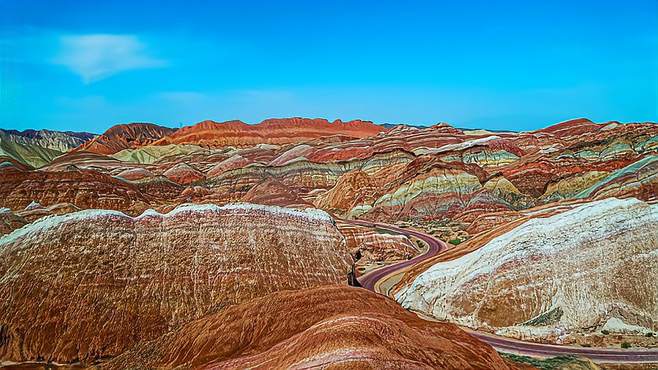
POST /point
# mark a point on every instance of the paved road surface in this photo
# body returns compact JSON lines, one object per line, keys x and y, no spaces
{"x":503,"y":344}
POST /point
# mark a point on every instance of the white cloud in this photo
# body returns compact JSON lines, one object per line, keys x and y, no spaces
{"x":97,"y":56}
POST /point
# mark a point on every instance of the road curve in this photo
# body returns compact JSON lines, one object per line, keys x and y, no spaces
{"x":436,"y":246}
{"x":503,"y":344}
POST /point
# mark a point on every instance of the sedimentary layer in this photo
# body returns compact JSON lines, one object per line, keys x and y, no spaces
{"x":91,"y":284}
{"x":574,"y":271}
{"x":332,"y":326}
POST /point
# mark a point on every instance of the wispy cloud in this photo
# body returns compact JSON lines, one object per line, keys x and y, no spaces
{"x":97,"y":56}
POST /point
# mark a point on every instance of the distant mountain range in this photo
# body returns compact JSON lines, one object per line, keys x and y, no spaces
{"x":37,"y":148}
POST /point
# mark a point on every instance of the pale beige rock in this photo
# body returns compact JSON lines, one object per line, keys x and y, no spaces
{"x":572,"y":271}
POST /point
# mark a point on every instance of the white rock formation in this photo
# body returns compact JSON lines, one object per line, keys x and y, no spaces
{"x":574,"y":271}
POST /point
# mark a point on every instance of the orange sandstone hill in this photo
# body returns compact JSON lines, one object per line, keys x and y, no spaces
{"x":330,"y":326}
{"x":270,"y":131}
{"x":126,"y":136}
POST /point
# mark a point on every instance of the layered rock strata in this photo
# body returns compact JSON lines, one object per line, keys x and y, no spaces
{"x":91,"y":284}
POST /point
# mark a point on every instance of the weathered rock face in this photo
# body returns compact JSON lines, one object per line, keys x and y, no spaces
{"x":36,"y":211}
{"x":570,"y":186}
{"x":487,"y":152}
{"x":183,"y":174}
{"x":439,"y":181}
{"x":232,"y":163}
{"x":150,"y":154}
{"x":126,"y":136}
{"x":301,"y":175}
{"x":82,"y":188}
{"x":86,"y":160}
{"x":341,"y":326}
{"x":352,"y":190}
{"x":535,"y":178}
{"x":271,"y":131}
{"x":105,"y":281}
{"x":32,"y":156}
{"x":160,"y":191}
{"x":639,"y":179}
{"x":36,"y":148}
{"x":571,"y":128}
{"x":135,"y":174}
{"x":9,"y":221}
{"x":425,"y":187}
{"x":483,"y":173}
{"x":273,"y":192}
{"x":61,"y":141}
{"x":8,"y":165}
{"x":574,"y":271}
{"x":374,"y":247}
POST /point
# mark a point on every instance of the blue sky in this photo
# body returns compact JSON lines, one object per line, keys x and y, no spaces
{"x":81,"y":65}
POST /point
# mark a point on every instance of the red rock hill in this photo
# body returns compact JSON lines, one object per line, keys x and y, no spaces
{"x":331,"y":326}
{"x":270,"y":131}
{"x":125,"y":136}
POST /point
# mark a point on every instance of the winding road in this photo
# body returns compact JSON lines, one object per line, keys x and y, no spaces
{"x":503,"y":344}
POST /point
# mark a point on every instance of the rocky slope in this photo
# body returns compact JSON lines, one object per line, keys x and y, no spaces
{"x":37,"y":148}
{"x":82,"y":188}
{"x":586,"y":269}
{"x":184,"y":174}
{"x":9,"y":221}
{"x":126,"y":136}
{"x":105,"y":281}
{"x":330,"y":326}
{"x":150,"y":154}
{"x":270,"y":131}
{"x":423,"y":188}
{"x":273,"y":192}
{"x":62,"y":141}
{"x":371,"y":247}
